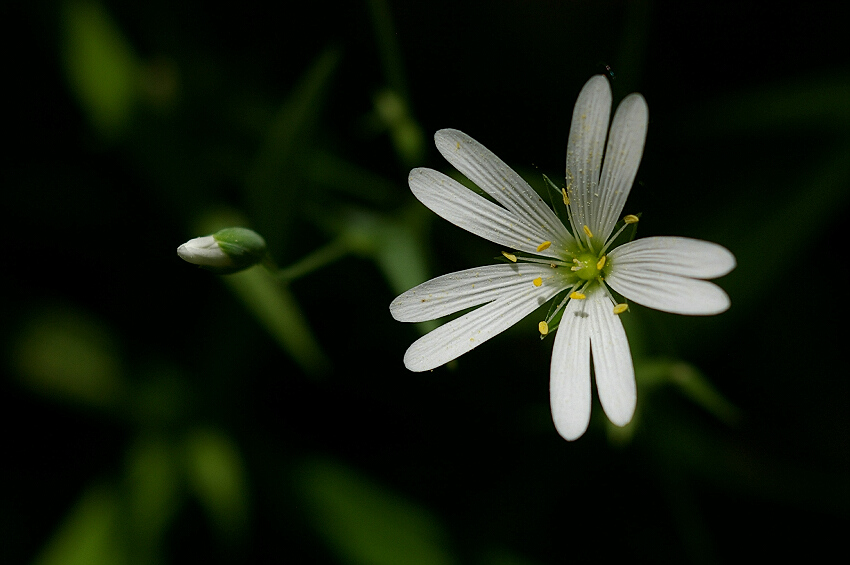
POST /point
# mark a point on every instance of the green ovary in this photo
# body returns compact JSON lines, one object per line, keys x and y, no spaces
{"x":586,"y":266}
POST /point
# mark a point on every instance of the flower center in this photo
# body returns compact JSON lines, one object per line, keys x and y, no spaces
{"x":587,"y":266}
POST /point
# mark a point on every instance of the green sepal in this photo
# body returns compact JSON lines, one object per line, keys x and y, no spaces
{"x":244,"y":247}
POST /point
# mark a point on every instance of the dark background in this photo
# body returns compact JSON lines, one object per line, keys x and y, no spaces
{"x":201,"y":437}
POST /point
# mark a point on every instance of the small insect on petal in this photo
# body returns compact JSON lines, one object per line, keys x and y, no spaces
{"x":543,"y":246}
{"x":620,"y":308}
{"x":631,"y":219}
{"x":537,"y":282}
{"x":543,"y":328}
{"x":509,"y":256}
{"x":577,"y":295}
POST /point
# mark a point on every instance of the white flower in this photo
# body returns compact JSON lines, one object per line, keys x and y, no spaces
{"x":665,"y":273}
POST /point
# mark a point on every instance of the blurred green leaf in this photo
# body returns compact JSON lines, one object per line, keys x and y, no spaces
{"x":272,"y":180}
{"x":216,"y":474}
{"x":388,"y":48}
{"x":342,"y":176}
{"x":366,"y":524}
{"x":683,"y":443}
{"x":89,"y":534}
{"x":66,"y":354}
{"x":821,"y":102}
{"x":392,"y":104}
{"x":785,"y":228}
{"x":153,"y":491}
{"x":273,"y":305}
{"x":406,"y":135}
{"x":690,"y":382}
{"x":396,"y":245}
{"x":100,"y":65}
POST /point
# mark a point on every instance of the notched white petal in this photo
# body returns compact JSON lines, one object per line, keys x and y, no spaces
{"x":454,"y":292}
{"x":590,"y":325}
{"x":569,"y":381}
{"x":622,"y":159}
{"x":463,"y":334}
{"x":496,"y":178}
{"x":454,"y":202}
{"x":675,"y":255}
{"x":669,"y":293}
{"x":585,"y":146}
{"x":612,"y":361}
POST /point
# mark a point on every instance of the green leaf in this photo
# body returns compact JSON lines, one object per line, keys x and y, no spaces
{"x":273,"y":177}
{"x":273,"y":305}
{"x":216,"y":474}
{"x":89,"y":534}
{"x":68,"y":355}
{"x":365,"y":523}
{"x":100,"y":65}
{"x":152,"y":492}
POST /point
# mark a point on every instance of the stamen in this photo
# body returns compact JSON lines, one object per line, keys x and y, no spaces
{"x":561,"y":304}
{"x":600,"y":263}
{"x":575,"y":295}
{"x":630,"y":219}
{"x":537,"y":282}
{"x":543,"y":328}
{"x":509,"y":256}
{"x":544,"y":246}
{"x":620,"y":308}
{"x":587,"y":231}
{"x":566,"y":198}
{"x":548,"y":261}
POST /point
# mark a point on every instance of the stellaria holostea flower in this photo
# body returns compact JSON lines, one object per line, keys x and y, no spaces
{"x":664,"y":273}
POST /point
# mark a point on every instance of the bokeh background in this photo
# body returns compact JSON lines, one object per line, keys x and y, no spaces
{"x":155,"y":413}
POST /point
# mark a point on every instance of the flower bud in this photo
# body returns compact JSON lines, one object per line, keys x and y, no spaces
{"x":226,"y":251}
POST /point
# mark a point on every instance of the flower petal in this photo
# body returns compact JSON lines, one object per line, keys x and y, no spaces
{"x":668,"y":293}
{"x":569,"y":380}
{"x":493,"y":176}
{"x":463,"y":334}
{"x":591,"y":324}
{"x":622,"y":159}
{"x":464,"y":289}
{"x":612,"y":360}
{"x":673,"y":255}
{"x":584,"y":150}
{"x":451,"y":200}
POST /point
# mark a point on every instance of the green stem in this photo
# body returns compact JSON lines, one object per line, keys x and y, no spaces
{"x":322,"y":256}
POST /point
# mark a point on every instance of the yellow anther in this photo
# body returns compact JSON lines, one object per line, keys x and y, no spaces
{"x":458,"y":145}
{"x":543,"y":328}
{"x":509,"y":256}
{"x":566,"y":198}
{"x":600,"y":263}
{"x":587,"y":231}
{"x":576,"y":295}
{"x":544,"y":246}
{"x":631,"y":219}
{"x":620,"y":308}
{"x":537,"y":282}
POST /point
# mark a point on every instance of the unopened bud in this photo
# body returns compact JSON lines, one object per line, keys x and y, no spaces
{"x":226,"y":251}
